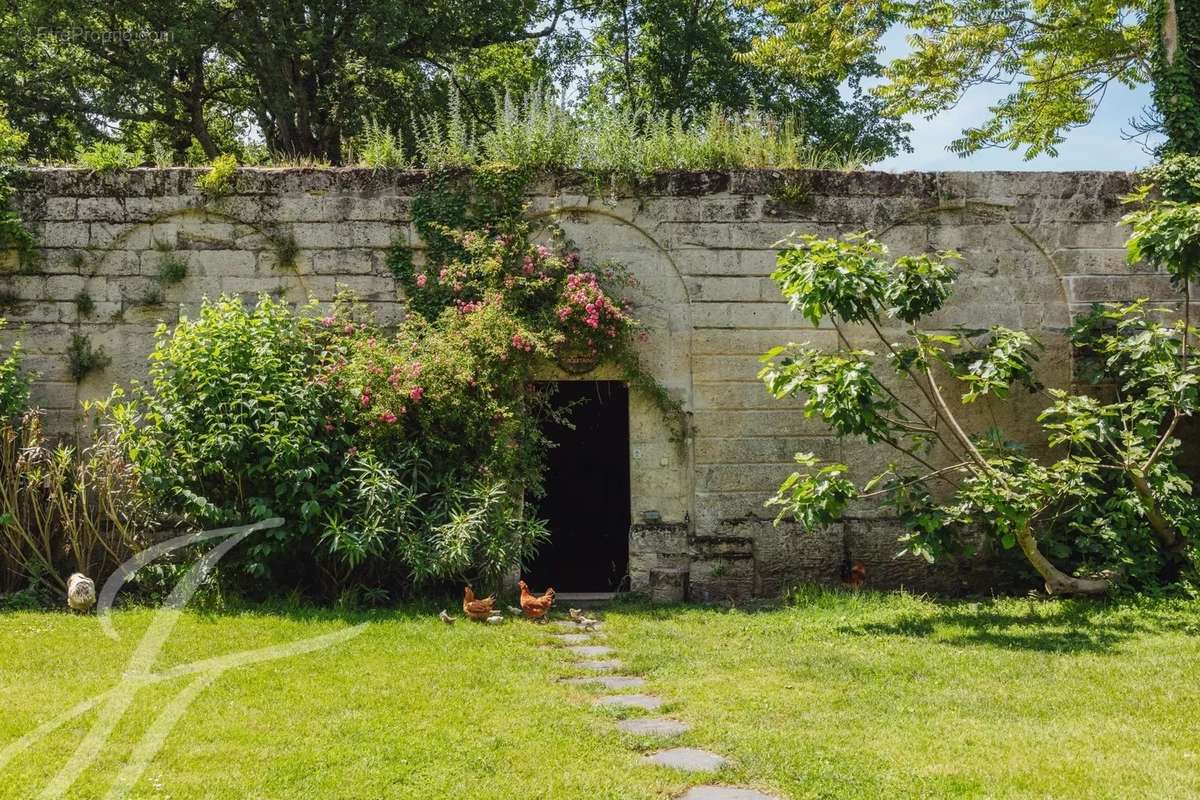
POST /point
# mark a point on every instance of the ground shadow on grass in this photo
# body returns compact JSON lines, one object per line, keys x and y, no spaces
{"x":416,"y":609}
{"x":1031,"y":624}
{"x":1054,"y":627}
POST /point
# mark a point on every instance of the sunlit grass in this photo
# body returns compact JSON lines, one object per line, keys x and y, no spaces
{"x":830,"y":696}
{"x":849,"y":696}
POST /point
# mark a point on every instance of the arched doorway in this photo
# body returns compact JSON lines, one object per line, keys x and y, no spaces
{"x":586,"y":502}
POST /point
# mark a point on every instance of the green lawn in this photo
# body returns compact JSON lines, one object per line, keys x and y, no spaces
{"x":832,"y":695}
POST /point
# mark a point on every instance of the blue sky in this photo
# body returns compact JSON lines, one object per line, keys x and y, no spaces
{"x":1095,"y":146}
{"x":1098,"y":145}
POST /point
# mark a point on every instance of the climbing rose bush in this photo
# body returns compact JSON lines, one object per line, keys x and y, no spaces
{"x":588,"y":318}
{"x":396,"y":458}
{"x":555,"y":305}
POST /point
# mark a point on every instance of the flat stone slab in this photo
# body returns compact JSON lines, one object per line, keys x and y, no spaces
{"x":725,"y":793}
{"x":689,"y":759}
{"x":643,"y":726}
{"x":572,"y":638}
{"x":592,"y":650}
{"x":568,"y":625}
{"x":644,"y":701}
{"x":599,"y":666}
{"x":610,"y":681}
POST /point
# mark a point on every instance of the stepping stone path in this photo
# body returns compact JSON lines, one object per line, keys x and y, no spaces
{"x":568,"y":625}
{"x":649,"y":726}
{"x":689,"y":759}
{"x":647,"y":702}
{"x":611,"y":681}
{"x":724,"y":793}
{"x":591,"y":650}
{"x":572,"y":638}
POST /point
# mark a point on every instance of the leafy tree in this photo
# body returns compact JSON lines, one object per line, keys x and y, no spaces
{"x":1059,"y":57}
{"x":1106,"y":491}
{"x":1176,"y":72}
{"x":304,"y":75}
{"x":679,"y":57}
{"x":12,"y":141}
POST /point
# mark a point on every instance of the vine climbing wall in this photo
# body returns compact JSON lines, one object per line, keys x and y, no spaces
{"x":120,"y":253}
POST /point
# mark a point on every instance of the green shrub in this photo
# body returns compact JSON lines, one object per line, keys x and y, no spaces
{"x":65,"y":510}
{"x":534,"y":132}
{"x":83,"y":358}
{"x":14,"y":382}
{"x":218,"y":180}
{"x":253,"y":413}
{"x":446,"y":143}
{"x":104,"y":156}
{"x":172,"y":268}
{"x":162,"y":155}
{"x":229,"y":427}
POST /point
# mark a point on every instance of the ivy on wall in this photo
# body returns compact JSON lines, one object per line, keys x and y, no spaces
{"x":576,"y":313}
{"x":1176,"y":73}
{"x":13,"y":233}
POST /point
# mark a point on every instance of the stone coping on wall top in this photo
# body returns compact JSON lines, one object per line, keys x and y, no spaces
{"x":153,"y":181}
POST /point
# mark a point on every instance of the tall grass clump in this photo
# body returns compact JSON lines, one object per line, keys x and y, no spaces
{"x":379,"y":147}
{"x":534,"y":132}
{"x":538,"y":133}
{"x":446,"y":142}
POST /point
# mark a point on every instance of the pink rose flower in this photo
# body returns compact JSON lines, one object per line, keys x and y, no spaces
{"x":388,"y":417}
{"x":421,"y":280}
{"x":416,"y":393}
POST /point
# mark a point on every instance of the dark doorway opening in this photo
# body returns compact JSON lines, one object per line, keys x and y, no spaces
{"x":587,"y":491}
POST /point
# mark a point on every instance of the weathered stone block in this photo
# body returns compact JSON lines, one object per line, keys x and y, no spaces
{"x":64,"y":234}
{"x":722,"y":569}
{"x":668,"y":586}
{"x":61,"y":208}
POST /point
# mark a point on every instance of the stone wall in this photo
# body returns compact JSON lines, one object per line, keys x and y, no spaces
{"x":1037,"y":246}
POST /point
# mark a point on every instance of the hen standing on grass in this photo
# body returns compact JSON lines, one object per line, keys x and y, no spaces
{"x":535,"y":607}
{"x":478,"y":610}
{"x":855,"y":577}
{"x":81,"y":592}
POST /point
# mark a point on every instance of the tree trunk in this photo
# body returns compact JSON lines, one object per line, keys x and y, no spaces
{"x":196,"y":108}
{"x":1175,"y":71}
{"x":1057,"y":581}
{"x":1162,"y":529}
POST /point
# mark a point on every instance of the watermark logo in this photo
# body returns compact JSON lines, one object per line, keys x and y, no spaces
{"x":139,"y":673}
{"x":81,"y":35}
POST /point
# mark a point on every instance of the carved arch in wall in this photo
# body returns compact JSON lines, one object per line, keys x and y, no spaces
{"x":661,"y":469}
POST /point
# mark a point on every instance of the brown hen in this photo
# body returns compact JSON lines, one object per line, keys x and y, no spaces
{"x":535,"y":607}
{"x":478,"y":610}
{"x":856,"y":577}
